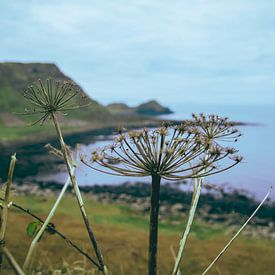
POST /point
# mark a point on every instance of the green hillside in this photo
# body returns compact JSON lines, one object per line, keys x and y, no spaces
{"x":15,"y":77}
{"x":150,"y":108}
{"x":14,"y":80}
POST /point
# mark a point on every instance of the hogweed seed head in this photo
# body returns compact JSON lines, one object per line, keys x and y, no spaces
{"x":50,"y":97}
{"x":216,"y":128}
{"x":189,"y":150}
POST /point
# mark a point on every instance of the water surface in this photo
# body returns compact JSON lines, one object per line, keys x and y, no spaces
{"x":255,"y":174}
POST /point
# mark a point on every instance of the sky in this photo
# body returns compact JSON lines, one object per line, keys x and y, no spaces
{"x":198,"y":51}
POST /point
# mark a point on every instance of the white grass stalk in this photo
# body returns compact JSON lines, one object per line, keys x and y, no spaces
{"x":195,"y":199}
{"x":174,"y":256}
{"x":45,"y":225}
{"x":237,"y":234}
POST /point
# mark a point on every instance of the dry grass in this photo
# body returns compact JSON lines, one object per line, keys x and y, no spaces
{"x":123,"y":237}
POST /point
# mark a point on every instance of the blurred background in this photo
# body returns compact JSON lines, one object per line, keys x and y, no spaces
{"x":200,"y":56}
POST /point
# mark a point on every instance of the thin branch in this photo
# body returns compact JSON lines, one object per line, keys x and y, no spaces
{"x":237,"y":234}
{"x":17,"y":269}
{"x":51,"y":228}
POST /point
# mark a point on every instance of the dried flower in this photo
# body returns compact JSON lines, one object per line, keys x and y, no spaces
{"x":190,"y":150}
{"x":216,"y":128}
{"x":53,"y":98}
{"x":173,"y":153}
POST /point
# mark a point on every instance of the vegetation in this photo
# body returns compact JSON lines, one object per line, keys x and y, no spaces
{"x":122,"y":233}
{"x":151,"y":108}
{"x":192,"y":150}
{"x":14,"y":77}
{"x":188,"y":151}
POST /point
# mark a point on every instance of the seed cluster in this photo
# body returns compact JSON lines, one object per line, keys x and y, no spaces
{"x":53,"y":97}
{"x":189,"y":150}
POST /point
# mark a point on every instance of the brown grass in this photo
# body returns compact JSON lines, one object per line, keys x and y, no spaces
{"x":125,"y":247}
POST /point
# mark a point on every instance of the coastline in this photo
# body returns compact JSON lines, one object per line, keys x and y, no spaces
{"x":34,"y":158}
{"x":216,"y":206}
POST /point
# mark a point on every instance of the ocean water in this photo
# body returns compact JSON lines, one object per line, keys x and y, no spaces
{"x":255,"y":174}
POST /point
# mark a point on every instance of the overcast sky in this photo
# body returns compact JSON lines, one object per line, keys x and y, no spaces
{"x":216,"y":51}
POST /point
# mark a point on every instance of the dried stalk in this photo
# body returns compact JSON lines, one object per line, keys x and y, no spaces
{"x":53,"y":229}
{"x":237,"y":234}
{"x":80,"y":201}
{"x":48,"y":100}
{"x":16,"y":268}
{"x":195,"y":199}
{"x":37,"y":237}
{"x":174,"y":256}
{"x":5,"y":207}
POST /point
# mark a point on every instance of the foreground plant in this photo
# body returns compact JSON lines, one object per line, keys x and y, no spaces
{"x":217,"y":130}
{"x":6,"y":203}
{"x":5,"y":208}
{"x":171,"y":153}
{"x":236,"y":235}
{"x":48,"y":101}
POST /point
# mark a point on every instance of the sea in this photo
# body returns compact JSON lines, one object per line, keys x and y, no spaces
{"x":255,"y":175}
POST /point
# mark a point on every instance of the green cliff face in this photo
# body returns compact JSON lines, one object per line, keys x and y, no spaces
{"x":15,"y":77}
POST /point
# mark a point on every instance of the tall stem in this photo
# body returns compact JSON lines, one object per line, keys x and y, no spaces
{"x":5,"y":207}
{"x":153,"y":235}
{"x":68,"y":163}
{"x":195,"y":199}
{"x":37,"y":237}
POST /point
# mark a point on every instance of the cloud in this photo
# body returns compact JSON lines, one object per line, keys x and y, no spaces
{"x":137,"y":49}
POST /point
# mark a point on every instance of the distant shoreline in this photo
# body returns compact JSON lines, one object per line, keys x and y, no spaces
{"x":33,"y":156}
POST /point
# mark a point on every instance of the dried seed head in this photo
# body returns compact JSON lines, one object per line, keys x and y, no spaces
{"x":163,"y":131}
{"x":237,"y":159}
{"x":121,"y":130}
{"x":216,"y":128}
{"x":48,"y":98}
{"x":185,"y":151}
{"x":121,"y":138}
{"x":231,"y":150}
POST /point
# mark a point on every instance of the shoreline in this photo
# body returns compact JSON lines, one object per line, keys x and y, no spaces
{"x":33,"y":157}
{"x":230,"y":209}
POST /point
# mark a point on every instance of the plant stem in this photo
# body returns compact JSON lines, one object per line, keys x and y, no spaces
{"x":65,"y":238}
{"x":174,"y":256}
{"x":37,"y":237}
{"x":17,"y":269}
{"x":68,"y":163}
{"x":153,"y":235}
{"x":195,"y":199}
{"x":237,"y":234}
{"x":5,"y":207}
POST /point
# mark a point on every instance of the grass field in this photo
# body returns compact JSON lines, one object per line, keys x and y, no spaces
{"x":122,"y":235}
{"x":31,"y":133}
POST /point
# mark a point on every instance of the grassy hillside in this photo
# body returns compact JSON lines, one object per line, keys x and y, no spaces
{"x":150,"y":108}
{"x":15,"y":77}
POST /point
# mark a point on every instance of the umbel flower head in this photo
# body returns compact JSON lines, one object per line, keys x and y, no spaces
{"x":216,"y":128}
{"x":53,"y":98}
{"x":190,"y":150}
{"x":173,"y":153}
